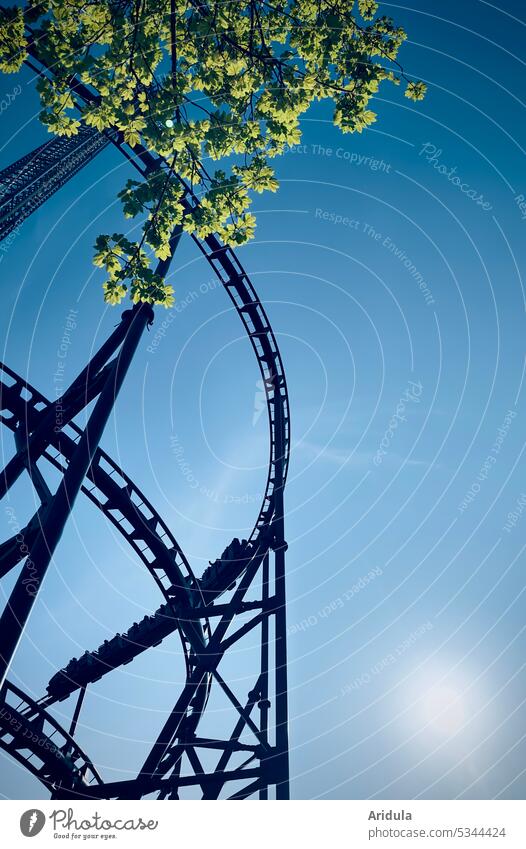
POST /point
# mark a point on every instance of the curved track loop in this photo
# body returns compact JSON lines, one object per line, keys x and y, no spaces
{"x":252,"y":313}
{"x":234,"y":278}
{"x":35,"y":739}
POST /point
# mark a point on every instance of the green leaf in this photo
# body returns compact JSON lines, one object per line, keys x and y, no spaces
{"x":416,"y":90}
{"x":233,"y":92}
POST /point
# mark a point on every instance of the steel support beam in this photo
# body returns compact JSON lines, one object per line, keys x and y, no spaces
{"x":29,"y":582}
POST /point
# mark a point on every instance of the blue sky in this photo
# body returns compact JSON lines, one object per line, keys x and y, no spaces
{"x":396,"y":295}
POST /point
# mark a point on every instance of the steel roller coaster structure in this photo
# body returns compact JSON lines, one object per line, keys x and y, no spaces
{"x":211,"y":613}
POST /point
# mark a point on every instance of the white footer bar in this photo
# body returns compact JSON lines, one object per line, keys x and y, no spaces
{"x":266,"y":825}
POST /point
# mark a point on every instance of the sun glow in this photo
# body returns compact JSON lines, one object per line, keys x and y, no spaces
{"x":444,"y":709}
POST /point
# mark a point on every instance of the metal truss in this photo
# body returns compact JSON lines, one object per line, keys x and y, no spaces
{"x":30,"y":181}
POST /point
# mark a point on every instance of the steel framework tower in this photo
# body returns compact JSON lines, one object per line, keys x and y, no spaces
{"x":30,"y":181}
{"x":241,"y":593}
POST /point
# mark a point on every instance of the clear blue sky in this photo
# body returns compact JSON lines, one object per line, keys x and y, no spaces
{"x":411,"y":681}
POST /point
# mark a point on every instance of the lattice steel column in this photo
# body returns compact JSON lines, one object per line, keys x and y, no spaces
{"x":27,"y":183}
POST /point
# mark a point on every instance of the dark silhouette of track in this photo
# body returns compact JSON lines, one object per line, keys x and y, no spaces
{"x":192,"y":605}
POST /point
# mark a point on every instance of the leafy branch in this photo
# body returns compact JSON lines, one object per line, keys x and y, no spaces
{"x":193,"y":81}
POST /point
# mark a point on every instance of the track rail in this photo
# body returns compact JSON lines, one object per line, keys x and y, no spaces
{"x":107,"y":486}
{"x":36,"y":740}
{"x":235,"y":280}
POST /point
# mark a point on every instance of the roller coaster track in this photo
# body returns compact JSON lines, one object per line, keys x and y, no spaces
{"x":107,"y":486}
{"x":190,"y":603}
{"x":235,"y":280}
{"x":36,"y":740}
